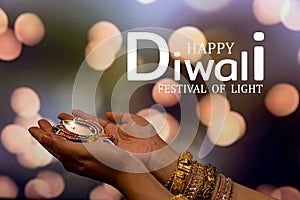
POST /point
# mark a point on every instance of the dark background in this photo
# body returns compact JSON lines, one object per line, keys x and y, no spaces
{"x":268,"y":153}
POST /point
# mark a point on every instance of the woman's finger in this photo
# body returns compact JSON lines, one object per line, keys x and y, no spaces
{"x":41,"y":136}
{"x":111,"y":129}
{"x":56,"y":145}
{"x":118,"y":117}
{"x":65,"y":116}
{"x":83,"y":115}
{"x":109,"y":116}
{"x":45,"y":125}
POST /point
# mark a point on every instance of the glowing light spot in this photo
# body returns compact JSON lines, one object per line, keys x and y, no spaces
{"x":25,"y":102}
{"x":116,"y":194}
{"x":3,"y":21}
{"x":266,"y":188}
{"x":242,"y":122}
{"x":10,"y":47}
{"x":282,"y":99}
{"x":99,"y":56}
{"x":230,"y":132}
{"x":27,"y":122}
{"x":165,"y":124}
{"x":267,"y":12}
{"x":99,"y":193}
{"x":29,"y":29}
{"x":208,"y":5}
{"x":179,"y":40}
{"x":290,"y":15}
{"x":36,"y":156}
{"x":286,"y":193}
{"x":9,"y":188}
{"x":55,"y":181}
{"x":15,"y":138}
{"x":37,"y":189}
{"x":204,"y":107}
{"x":103,"y":31}
{"x":145,"y":1}
{"x":166,"y":93}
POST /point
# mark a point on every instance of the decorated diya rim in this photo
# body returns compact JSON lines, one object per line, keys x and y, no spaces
{"x":71,"y":130}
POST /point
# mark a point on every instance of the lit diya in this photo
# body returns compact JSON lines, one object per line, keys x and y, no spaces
{"x":82,"y":130}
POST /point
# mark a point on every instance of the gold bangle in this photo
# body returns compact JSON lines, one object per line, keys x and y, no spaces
{"x":227,"y":193}
{"x":209,"y":182}
{"x":221,"y":187}
{"x":183,"y":171}
{"x":179,"y":197}
{"x":195,"y":182}
{"x":225,"y":188}
{"x":170,"y":181}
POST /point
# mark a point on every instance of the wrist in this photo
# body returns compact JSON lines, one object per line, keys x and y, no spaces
{"x":163,"y":174}
{"x":163,"y":163}
{"x":132,"y":186}
{"x":160,"y":159}
{"x":149,"y":153}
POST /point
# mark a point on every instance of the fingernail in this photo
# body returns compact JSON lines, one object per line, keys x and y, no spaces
{"x":46,"y":139}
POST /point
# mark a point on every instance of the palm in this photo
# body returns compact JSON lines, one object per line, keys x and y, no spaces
{"x":131,"y":132}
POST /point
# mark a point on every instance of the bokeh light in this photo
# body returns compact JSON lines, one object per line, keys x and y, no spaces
{"x":100,"y":193}
{"x":165,"y":124}
{"x":266,"y":188}
{"x":27,"y":122}
{"x":15,"y":138}
{"x":100,"y":56}
{"x":179,"y":40}
{"x":37,"y":189}
{"x":267,"y":12}
{"x":145,"y":1}
{"x":36,"y":156}
{"x":29,"y":29}
{"x":25,"y":102}
{"x":242,"y":122}
{"x":113,"y":191}
{"x":286,"y":193}
{"x":10,"y":47}
{"x":55,"y":181}
{"x":230,"y":133}
{"x":103,"y":31}
{"x":204,"y":107}
{"x":220,"y":33}
{"x":8,"y":188}
{"x":208,"y":5}
{"x":290,"y":16}
{"x":163,"y":93}
{"x":282,"y":99}
{"x":3,"y":21}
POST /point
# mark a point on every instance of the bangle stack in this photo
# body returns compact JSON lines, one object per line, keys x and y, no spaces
{"x":192,"y":180}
